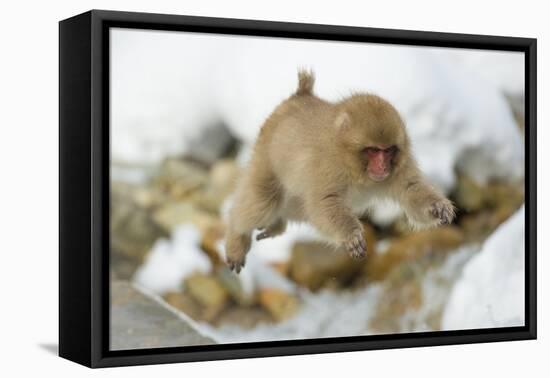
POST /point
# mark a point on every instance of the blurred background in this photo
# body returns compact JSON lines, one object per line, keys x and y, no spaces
{"x":185,"y":110}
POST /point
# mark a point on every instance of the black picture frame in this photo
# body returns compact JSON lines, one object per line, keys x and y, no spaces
{"x":84,"y":187}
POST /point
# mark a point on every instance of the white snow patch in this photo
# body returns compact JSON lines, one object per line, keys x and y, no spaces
{"x":491,"y":291}
{"x":170,"y":261}
{"x":324,"y":314}
{"x":499,"y":67}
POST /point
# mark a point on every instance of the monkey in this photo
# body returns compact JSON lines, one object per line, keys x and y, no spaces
{"x":323,"y":163}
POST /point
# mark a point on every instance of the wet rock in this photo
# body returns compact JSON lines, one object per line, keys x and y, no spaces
{"x":133,"y":231}
{"x":186,"y":304}
{"x":469,"y":195}
{"x":213,"y":143}
{"x":179,"y":178}
{"x":486,"y":206}
{"x":472,"y":196}
{"x":222,"y":179}
{"x":244,"y":317}
{"x":279,"y":303}
{"x":402,"y":293}
{"x":207,"y":291}
{"x":223,"y":175}
{"x":211,"y":237}
{"x":233,"y":286}
{"x":149,"y":197}
{"x":141,"y":321}
{"x":315,"y":265}
{"x":413,"y":295}
{"x":170,"y":215}
{"x":281,"y":267}
{"x":480,"y":225}
{"x":413,"y":246}
{"x":504,"y":195}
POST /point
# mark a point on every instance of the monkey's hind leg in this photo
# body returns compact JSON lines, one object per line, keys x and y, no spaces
{"x":256,"y":206}
{"x":236,"y":248}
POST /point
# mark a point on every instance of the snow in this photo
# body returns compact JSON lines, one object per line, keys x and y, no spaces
{"x":504,"y":76}
{"x":170,"y":261}
{"x":320,"y":316}
{"x":491,"y":291}
{"x":168,"y":86}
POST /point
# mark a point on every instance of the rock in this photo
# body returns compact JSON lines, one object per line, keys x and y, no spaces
{"x":209,"y":244}
{"x":185,"y":303}
{"x":498,"y":202}
{"x":472,"y":196}
{"x":504,"y":195}
{"x":281,"y":267}
{"x":233,"y":286}
{"x":468,"y":194}
{"x":207,"y":200}
{"x":280,"y":304}
{"x":222,"y":180}
{"x":478,"y":226}
{"x":413,"y":246}
{"x":223,"y":175}
{"x":179,"y":178}
{"x":243,"y":316}
{"x":141,"y":321}
{"x":414,"y":294}
{"x":315,"y":265}
{"x":133,"y":231}
{"x":170,"y":215}
{"x":401,"y":293}
{"x":207,"y":291}
{"x":211,"y":144}
{"x":370,"y":237}
{"x":149,"y":197}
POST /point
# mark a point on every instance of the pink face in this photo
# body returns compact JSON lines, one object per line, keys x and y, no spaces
{"x":380,"y":161}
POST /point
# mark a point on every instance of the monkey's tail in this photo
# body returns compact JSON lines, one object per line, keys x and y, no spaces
{"x":306,"y":80}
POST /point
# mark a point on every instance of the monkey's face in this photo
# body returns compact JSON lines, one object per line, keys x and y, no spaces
{"x":379,"y":161}
{"x":375,"y":136}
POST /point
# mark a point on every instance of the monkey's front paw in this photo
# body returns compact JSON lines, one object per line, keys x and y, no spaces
{"x":443,"y":210}
{"x":356,"y":245}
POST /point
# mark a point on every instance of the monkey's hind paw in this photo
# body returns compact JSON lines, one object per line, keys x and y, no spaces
{"x":272,"y":231}
{"x":356,"y":246}
{"x":443,"y":211}
{"x":236,"y":247}
{"x":263,"y":235}
{"x":235,"y":264}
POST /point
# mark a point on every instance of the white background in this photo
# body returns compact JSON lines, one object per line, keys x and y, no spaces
{"x":29,"y":186}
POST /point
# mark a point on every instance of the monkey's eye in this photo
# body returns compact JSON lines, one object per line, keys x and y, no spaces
{"x":372,"y":150}
{"x":391,"y":150}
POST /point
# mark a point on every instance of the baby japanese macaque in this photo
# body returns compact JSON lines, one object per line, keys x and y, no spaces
{"x":322,"y":162}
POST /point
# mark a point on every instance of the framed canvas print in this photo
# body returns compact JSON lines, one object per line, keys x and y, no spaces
{"x":235,"y":188}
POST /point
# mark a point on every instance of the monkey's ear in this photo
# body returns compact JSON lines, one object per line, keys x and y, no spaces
{"x":343,"y":121}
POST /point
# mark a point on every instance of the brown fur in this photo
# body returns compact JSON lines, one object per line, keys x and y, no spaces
{"x":307,"y":165}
